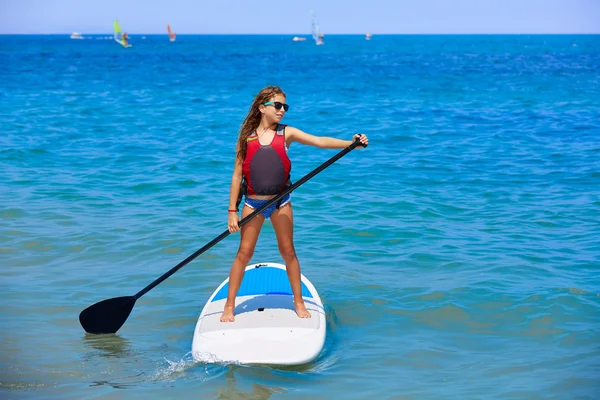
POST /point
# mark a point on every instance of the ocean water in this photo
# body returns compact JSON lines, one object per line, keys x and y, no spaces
{"x":458,"y":256}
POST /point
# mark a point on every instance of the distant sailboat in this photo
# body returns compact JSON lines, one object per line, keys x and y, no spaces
{"x":368,"y":36}
{"x":172,"y":35}
{"x":119,"y":36}
{"x":316,"y":33}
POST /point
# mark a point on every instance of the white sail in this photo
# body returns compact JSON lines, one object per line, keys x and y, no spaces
{"x":315,"y":28}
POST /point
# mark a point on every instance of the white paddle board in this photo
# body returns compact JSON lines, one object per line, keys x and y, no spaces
{"x":266,"y":329}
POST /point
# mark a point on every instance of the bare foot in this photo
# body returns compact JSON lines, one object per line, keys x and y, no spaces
{"x":227,"y":315}
{"x":301,"y":309}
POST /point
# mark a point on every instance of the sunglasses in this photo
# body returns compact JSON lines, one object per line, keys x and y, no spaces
{"x":278,"y":105}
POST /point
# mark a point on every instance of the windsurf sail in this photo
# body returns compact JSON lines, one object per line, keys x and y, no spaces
{"x":118,"y":33}
{"x":172,"y":35}
{"x":315,"y":28}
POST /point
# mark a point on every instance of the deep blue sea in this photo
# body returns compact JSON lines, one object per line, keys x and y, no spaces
{"x":458,"y":256}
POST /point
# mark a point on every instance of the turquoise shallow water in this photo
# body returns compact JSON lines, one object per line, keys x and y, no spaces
{"x":458,"y":256}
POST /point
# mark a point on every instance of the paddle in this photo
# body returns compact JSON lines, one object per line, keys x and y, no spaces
{"x":109,"y":315}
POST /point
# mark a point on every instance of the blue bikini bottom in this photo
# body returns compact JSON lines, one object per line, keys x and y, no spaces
{"x":254,"y":204}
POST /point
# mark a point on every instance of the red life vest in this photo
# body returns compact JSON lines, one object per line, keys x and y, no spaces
{"x":266,"y":168}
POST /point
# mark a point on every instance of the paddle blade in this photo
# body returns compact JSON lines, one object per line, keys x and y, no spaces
{"x":107,"y":316}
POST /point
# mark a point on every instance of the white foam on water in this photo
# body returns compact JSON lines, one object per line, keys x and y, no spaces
{"x":205,"y":367}
{"x":210,"y":358}
{"x":175,"y":369}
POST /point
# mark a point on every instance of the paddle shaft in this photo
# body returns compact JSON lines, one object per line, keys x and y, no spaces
{"x":247,"y":219}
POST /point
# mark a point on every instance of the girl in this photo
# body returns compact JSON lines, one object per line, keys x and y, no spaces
{"x":263,"y":163}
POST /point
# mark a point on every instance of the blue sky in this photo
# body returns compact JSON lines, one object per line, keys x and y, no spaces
{"x":293,"y":16}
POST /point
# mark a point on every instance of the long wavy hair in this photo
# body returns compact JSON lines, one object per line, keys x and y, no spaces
{"x":252,"y":120}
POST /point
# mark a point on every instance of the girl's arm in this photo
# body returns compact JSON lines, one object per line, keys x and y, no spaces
{"x":236,"y":180}
{"x":233,"y":219}
{"x":322,"y":142}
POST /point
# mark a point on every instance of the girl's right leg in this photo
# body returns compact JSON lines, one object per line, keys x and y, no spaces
{"x":248,"y":239}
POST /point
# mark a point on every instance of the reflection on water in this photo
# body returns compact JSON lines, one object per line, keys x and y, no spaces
{"x":109,"y":346}
{"x":114,"y":356}
{"x":233,"y":389}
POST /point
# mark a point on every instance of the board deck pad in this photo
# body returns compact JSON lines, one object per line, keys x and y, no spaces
{"x":267,"y":280}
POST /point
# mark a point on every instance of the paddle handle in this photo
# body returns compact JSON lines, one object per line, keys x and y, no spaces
{"x":248,"y":218}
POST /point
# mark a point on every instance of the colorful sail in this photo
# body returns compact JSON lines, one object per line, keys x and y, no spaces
{"x":172,"y":35}
{"x":118,"y":33}
{"x":119,"y":36}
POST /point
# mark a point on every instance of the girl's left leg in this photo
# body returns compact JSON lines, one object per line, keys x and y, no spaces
{"x":283,"y":223}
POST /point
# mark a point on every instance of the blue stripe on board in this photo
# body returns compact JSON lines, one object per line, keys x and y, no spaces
{"x":263,"y":280}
